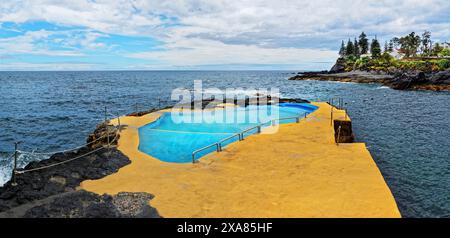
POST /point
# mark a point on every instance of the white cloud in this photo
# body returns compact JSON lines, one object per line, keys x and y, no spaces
{"x":33,"y":43}
{"x":195,"y":51}
{"x":47,"y":66}
{"x":269,"y":18}
{"x":246,"y":31}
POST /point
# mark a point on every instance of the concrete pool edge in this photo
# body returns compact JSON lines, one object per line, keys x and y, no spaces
{"x":361,"y":193}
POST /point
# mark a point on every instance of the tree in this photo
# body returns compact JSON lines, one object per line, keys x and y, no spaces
{"x":386,"y":47}
{"x":375,"y":48}
{"x":357,"y":51}
{"x":436,"y":49}
{"x":350,"y":49}
{"x":363,"y":43}
{"x":391,"y":46}
{"x":426,"y":43}
{"x":396,"y":42}
{"x":342,"y":50}
{"x":409,"y":44}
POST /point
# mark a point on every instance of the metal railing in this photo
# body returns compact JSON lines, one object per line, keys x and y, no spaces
{"x":18,"y":152}
{"x":240,"y":135}
{"x":338,"y":106}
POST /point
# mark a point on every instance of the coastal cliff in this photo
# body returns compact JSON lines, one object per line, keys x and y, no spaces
{"x":395,"y":78}
{"x":408,"y":62}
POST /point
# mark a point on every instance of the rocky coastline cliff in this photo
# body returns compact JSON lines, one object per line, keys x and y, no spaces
{"x":396,"y":78}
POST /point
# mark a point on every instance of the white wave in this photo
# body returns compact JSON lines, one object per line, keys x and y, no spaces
{"x":383,"y":87}
{"x":5,"y":174}
{"x":22,"y":161}
{"x":247,"y":92}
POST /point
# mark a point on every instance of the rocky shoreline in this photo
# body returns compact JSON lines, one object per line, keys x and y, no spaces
{"x":52,"y":192}
{"x":399,"y":80}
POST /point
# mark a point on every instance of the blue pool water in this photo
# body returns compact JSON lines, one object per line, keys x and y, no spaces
{"x":172,"y":139}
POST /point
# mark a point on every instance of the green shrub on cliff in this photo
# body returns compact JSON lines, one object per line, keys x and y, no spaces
{"x":362,"y":63}
{"x":387,"y":63}
{"x":444,"y":52}
{"x":414,"y":65}
{"x":350,"y":62}
{"x":423,"y":65}
{"x":443,"y":64}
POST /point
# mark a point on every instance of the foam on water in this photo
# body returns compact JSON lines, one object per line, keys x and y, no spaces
{"x":5,"y":169}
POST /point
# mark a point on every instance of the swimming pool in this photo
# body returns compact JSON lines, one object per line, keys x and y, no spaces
{"x":173,"y":140}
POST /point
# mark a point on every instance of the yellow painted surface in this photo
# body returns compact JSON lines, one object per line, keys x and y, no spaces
{"x":297,"y":172}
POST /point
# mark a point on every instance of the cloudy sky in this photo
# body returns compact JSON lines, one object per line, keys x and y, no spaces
{"x":200,"y":34}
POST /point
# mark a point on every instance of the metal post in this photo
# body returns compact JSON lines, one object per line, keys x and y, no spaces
{"x":193,"y":158}
{"x":339,"y":135}
{"x":258,"y":129}
{"x":107,"y":126}
{"x":13,"y":175}
{"x":136,"y":107}
{"x":306,"y":114}
{"x":218,"y":147}
{"x":297,"y":119}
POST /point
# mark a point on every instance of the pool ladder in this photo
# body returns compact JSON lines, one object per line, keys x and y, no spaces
{"x":240,"y":135}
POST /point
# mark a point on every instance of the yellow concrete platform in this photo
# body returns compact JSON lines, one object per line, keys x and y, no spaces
{"x":297,"y":172}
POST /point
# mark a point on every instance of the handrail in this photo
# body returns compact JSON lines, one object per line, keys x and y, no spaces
{"x":251,"y":128}
{"x":204,"y":148}
{"x":241,"y":135}
{"x":339,"y":107}
{"x":225,"y":139}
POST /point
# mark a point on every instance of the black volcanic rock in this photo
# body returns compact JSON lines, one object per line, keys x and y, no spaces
{"x":83,"y":204}
{"x":66,"y":177}
{"x":398,"y":79}
{"x":442,"y":77}
{"x":404,"y":81}
{"x":338,"y":67}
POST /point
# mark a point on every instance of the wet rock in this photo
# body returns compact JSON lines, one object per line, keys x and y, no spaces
{"x":103,"y":134}
{"x":338,"y":67}
{"x":84,"y":204}
{"x":134,"y":205}
{"x":442,"y":77}
{"x":399,"y":80}
{"x":59,"y":179}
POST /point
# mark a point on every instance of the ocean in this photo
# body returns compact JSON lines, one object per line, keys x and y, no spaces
{"x":407,"y":132}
